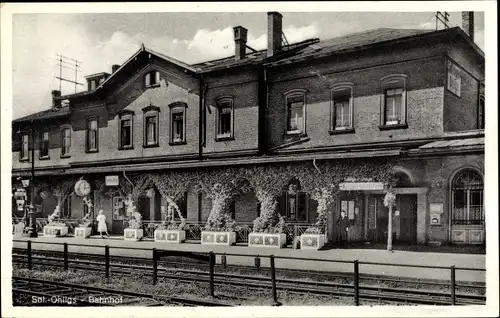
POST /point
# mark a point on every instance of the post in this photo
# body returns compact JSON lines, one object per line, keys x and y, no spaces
{"x":211,"y":273}
{"x":223,"y":260}
{"x":65,"y":256}
{"x":155,"y":267}
{"x":273,"y":282}
{"x":356,"y":283}
{"x":29,"y":255}
{"x":452,"y":285}
{"x":389,"y":233}
{"x":257,"y":263}
{"x":32,"y":228}
{"x":106,"y":255}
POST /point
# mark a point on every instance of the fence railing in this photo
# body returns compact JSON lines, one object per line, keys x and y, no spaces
{"x":211,"y":256}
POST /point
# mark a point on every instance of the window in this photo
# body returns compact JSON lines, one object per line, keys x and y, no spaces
{"x":126,"y":130}
{"x":295,"y":203}
{"x":92,"y":135}
{"x":480,"y":119}
{"x":92,"y":85}
{"x":152,"y":79}
{"x":295,"y":103}
{"x":225,"y":118}
{"x":454,"y":80}
{"x":44,"y":145}
{"x":342,"y":107}
{"x":151,"y":126}
{"x":66,"y":208}
{"x":177,"y":123}
{"x":467,"y":198}
{"x":66,"y":141}
{"x":24,"y":147}
{"x":394,"y":101}
{"x":182,"y":204}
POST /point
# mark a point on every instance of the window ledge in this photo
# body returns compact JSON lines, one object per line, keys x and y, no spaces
{"x":24,"y":160}
{"x":150,"y":145}
{"x":294,"y":133}
{"x":65,"y":156}
{"x":152,"y":86}
{"x":91,"y":150}
{"x":44,"y":158}
{"x":177,"y":143}
{"x":224,"y":138}
{"x":341,"y":131}
{"x":394,"y":126}
{"x":126,"y":148}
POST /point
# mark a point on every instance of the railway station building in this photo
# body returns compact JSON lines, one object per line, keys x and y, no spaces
{"x":412,"y":99}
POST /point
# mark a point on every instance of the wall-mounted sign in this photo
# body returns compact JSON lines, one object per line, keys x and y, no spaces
{"x":112,"y":181}
{"x":359,"y":186}
{"x":436,"y":208}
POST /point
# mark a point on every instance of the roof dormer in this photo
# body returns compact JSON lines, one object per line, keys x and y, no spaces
{"x":94,"y":80}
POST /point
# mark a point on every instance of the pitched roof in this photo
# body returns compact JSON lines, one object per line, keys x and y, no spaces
{"x":353,"y":41}
{"x":45,"y":114}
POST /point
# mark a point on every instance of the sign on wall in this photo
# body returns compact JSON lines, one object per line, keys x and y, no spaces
{"x":359,"y":186}
{"x":454,"y":79}
{"x":112,"y":181}
{"x":435,"y":210}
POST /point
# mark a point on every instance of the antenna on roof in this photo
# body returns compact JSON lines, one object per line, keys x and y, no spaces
{"x":443,"y":18}
{"x":70,"y":64}
{"x":284,"y":41}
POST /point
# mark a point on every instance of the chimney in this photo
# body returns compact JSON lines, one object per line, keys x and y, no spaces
{"x":56,"y":102}
{"x":468,"y":23}
{"x":274,"y":33}
{"x":114,"y":67}
{"x":240,"y":42}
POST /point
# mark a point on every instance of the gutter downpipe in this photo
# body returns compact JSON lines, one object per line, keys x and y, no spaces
{"x":201,"y":115}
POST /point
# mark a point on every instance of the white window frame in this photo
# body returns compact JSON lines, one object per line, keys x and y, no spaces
{"x":126,"y":115}
{"x":24,"y":155}
{"x":393,"y":82}
{"x":65,"y":141}
{"x":42,"y":143}
{"x":342,"y":90}
{"x":87,"y":134}
{"x":224,"y":103}
{"x":152,"y":79}
{"x":178,"y":108}
{"x":292,"y":94}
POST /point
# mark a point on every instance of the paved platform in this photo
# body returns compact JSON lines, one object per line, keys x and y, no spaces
{"x":120,"y":247}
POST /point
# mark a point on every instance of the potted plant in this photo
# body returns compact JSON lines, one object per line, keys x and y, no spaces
{"x":314,"y":236}
{"x":84,"y":229}
{"x":268,"y":228}
{"x":169,"y":231}
{"x":55,"y":228}
{"x":134,"y":232}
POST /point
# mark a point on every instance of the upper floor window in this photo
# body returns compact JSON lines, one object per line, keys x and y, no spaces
{"x":178,"y":123}
{"x":394,"y":100}
{"x":225,"y":118}
{"x":151,"y":126}
{"x":44,"y":145}
{"x":342,"y":107}
{"x":152,"y":79}
{"x":480,"y":119}
{"x":92,"y":138}
{"x":454,"y":80}
{"x":296,"y":110}
{"x":92,"y":85}
{"x":126,"y":130}
{"x":24,"y":147}
{"x":66,"y":141}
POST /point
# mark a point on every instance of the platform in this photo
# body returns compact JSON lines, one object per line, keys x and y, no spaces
{"x":118,"y":247}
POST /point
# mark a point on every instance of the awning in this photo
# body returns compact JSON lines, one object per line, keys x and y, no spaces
{"x":230,"y":162}
{"x":451,"y":146}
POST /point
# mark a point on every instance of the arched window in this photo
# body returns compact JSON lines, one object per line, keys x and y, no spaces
{"x":341,"y":103}
{"x":294,"y":203}
{"x":393,"y":103}
{"x":403,"y":180}
{"x":467,"y":198}
{"x":296,"y":111}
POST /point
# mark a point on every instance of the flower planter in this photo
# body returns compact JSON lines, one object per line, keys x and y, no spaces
{"x":83,"y":232}
{"x":312,"y":241}
{"x":170,"y":236}
{"x":266,"y":240}
{"x":133,"y":234}
{"x":218,"y":238}
{"x":19,"y":229}
{"x":55,"y":230}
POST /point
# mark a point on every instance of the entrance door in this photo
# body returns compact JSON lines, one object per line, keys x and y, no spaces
{"x":406,"y":204}
{"x":377,"y":218}
{"x":143,"y":207}
{"x":352,"y":204}
{"x":118,"y":216}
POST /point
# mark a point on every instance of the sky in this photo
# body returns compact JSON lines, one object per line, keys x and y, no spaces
{"x":103,"y":39}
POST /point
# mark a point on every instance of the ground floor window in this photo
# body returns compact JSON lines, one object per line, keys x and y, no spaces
{"x":467,"y":198}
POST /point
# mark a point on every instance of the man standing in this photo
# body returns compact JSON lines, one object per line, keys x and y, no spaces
{"x":343,"y":226}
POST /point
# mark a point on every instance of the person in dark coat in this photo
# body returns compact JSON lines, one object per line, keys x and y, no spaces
{"x":343,"y":226}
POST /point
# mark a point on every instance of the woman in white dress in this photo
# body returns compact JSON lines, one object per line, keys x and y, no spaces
{"x":101,"y":225}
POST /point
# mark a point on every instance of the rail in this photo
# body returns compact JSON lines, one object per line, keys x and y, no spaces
{"x":355,"y":290}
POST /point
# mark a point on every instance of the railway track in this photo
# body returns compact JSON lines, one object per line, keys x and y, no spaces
{"x":368,"y":293}
{"x":50,"y":293}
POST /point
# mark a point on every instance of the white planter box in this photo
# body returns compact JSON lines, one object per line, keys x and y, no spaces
{"x":83,"y":232}
{"x":312,"y":241}
{"x":55,"y":230}
{"x":19,"y":229}
{"x":218,"y":238}
{"x":170,"y":236}
{"x":266,"y":240}
{"x":133,"y":234}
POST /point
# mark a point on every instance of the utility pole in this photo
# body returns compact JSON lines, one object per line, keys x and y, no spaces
{"x":443,"y":18}
{"x":70,"y":64}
